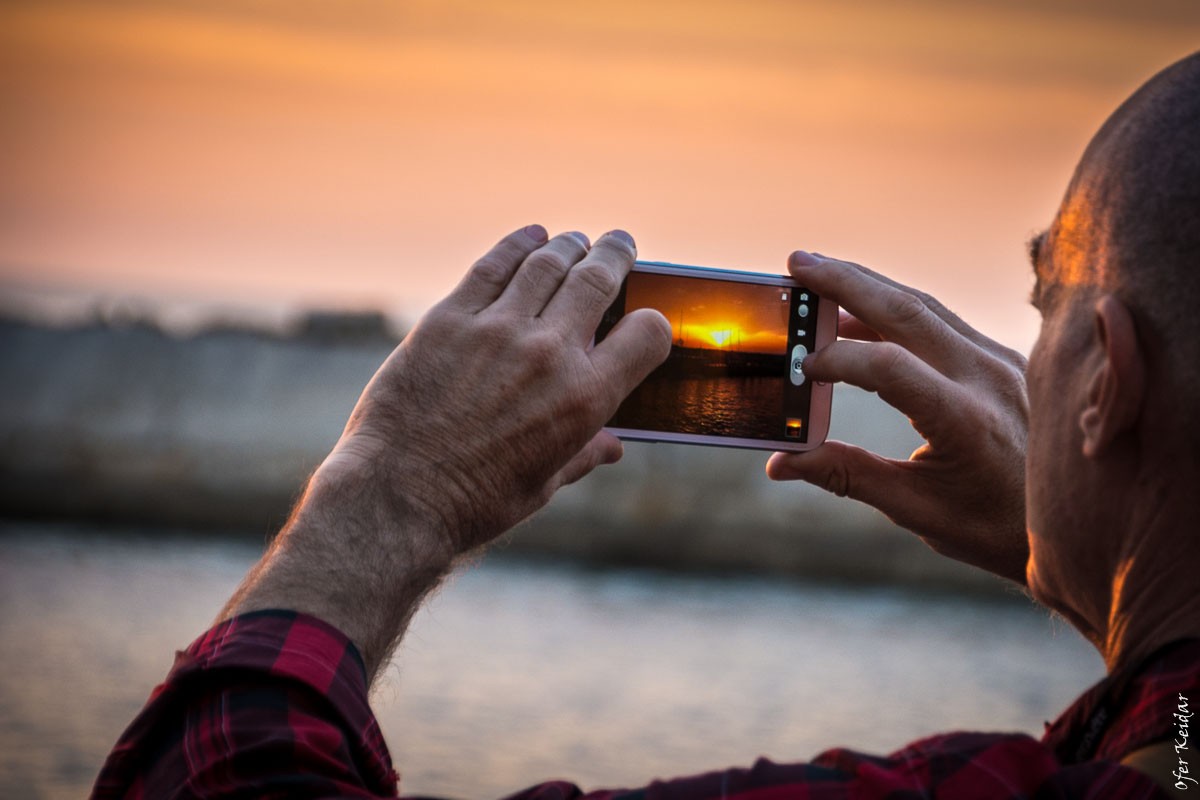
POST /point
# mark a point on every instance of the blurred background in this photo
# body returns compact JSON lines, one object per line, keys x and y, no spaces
{"x":217,"y":217}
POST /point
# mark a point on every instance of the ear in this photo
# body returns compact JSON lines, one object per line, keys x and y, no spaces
{"x":1118,"y":383}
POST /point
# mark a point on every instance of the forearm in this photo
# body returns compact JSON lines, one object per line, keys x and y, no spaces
{"x":355,"y":555}
{"x":490,"y":404}
{"x":494,"y":400}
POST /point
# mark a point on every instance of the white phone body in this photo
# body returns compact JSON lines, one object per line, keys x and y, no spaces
{"x":734,"y":376}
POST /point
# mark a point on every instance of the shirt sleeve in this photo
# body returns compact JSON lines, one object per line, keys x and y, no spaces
{"x":266,"y":704}
{"x":977,"y":766}
{"x":274,"y":704}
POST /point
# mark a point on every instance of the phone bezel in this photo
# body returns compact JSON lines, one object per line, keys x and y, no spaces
{"x":820,"y":401}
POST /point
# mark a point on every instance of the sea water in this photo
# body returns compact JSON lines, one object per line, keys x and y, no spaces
{"x":515,"y":672}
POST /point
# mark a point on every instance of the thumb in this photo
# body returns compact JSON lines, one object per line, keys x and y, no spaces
{"x":844,"y":470}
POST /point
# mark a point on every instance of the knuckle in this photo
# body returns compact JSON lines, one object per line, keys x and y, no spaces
{"x":932,"y":304}
{"x":887,"y":359}
{"x":1005,"y":381}
{"x":1018,"y":361}
{"x":544,"y":267}
{"x":597,"y":278}
{"x":836,"y":479}
{"x":906,"y":308}
{"x":541,"y":350}
{"x":1009,"y":374}
{"x":491,"y":271}
{"x":546,"y":260}
{"x":495,"y":337}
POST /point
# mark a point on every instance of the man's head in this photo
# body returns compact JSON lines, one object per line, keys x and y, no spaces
{"x":1114,"y":379}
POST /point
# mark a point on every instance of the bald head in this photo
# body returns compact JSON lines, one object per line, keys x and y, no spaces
{"x":1140,"y":176}
{"x":1113,"y":452}
{"x":1130,"y":222}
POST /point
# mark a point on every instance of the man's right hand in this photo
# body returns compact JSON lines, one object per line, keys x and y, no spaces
{"x":963,"y":492}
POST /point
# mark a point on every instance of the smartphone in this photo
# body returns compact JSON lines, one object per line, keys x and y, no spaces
{"x":734,"y":377}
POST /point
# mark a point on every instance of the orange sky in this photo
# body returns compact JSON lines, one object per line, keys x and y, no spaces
{"x":363,"y":152}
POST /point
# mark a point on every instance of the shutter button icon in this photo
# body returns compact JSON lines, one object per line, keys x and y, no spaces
{"x":796,"y":373}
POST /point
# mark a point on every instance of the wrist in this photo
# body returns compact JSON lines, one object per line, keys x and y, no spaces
{"x":366,"y":482}
{"x":422,"y":474}
{"x":352,"y":555}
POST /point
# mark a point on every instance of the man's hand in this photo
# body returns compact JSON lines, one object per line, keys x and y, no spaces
{"x":489,"y":405}
{"x":496,"y":398}
{"x":963,"y":492}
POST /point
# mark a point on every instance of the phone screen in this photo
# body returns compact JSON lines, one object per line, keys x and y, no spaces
{"x":734,"y":367}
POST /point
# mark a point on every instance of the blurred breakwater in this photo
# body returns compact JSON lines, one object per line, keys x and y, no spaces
{"x":218,"y":428}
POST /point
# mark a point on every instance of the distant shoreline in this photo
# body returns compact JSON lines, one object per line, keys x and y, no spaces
{"x":217,"y":431}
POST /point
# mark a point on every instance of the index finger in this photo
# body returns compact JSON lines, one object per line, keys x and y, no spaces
{"x":487,"y":278}
{"x":897,"y":312}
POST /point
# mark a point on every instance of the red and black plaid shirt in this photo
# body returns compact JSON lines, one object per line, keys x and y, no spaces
{"x":274,"y":704}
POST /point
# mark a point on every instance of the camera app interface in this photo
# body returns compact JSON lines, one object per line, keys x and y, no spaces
{"x":734,"y":368}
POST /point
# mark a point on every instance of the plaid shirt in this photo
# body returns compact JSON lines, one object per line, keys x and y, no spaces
{"x":274,"y":704}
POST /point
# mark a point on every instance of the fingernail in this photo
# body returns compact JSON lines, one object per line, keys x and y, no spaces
{"x":623,"y":236}
{"x":536,"y":232}
{"x":803,"y":258}
{"x":582,"y":238}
